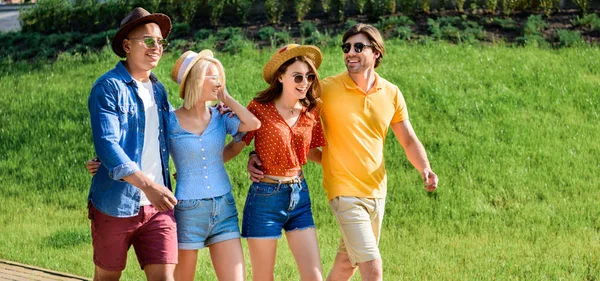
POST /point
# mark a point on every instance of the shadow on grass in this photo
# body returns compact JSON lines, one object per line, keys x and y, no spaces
{"x":68,"y":238}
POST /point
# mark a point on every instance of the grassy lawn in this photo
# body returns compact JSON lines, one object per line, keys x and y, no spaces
{"x":511,"y":132}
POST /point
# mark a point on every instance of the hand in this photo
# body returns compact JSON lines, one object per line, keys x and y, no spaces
{"x":223,"y":95}
{"x":92,"y":166}
{"x":430,"y":179}
{"x":224,"y":109}
{"x":161,"y":197}
{"x":253,"y":168}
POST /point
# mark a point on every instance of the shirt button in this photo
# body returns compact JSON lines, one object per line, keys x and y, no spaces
{"x":208,"y":186}
{"x":203,"y":158}
{"x":205,"y":177}
{"x":200,"y":139}
{"x":204,"y":167}
{"x":142,"y":130}
{"x":203,"y":149}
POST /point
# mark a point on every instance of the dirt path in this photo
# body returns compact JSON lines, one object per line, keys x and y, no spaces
{"x":20,"y":272}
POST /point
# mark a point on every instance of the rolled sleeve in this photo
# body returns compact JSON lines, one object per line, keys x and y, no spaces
{"x":106,"y":131}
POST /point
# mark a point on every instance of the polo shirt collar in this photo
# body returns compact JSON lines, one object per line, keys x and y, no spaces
{"x":349,"y":83}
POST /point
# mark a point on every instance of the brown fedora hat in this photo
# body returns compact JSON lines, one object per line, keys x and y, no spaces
{"x":136,"y":17}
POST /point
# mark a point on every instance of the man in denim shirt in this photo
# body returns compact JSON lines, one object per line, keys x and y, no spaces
{"x":130,"y":199}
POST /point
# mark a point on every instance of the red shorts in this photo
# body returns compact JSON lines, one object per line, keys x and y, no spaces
{"x":153,"y":235}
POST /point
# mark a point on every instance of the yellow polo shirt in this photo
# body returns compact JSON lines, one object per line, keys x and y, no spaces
{"x":355,"y":124}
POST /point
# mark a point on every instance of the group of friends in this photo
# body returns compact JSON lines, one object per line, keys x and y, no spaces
{"x":339,"y":122}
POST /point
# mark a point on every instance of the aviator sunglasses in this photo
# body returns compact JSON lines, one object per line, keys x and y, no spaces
{"x":358,"y":47}
{"x":298,"y":78}
{"x":151,"y":42}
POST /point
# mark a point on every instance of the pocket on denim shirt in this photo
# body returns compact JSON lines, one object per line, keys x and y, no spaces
{"x":126,"y":115}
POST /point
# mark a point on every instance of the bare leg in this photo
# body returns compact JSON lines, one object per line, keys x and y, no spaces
{"x":228,"y":260}
{"x":105,"y":275}
{"x":371,"y":270}
{"x":342,"y":268}
{"x":159,"y":272}
{"x":186,"y":267}
{"x":305,"y":247}
{"x":262,"y":258}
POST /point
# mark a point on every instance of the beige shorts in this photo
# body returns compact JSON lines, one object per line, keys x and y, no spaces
{"x":360,"y":222}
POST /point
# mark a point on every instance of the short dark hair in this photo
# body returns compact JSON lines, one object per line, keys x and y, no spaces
{"x":374,"y":36}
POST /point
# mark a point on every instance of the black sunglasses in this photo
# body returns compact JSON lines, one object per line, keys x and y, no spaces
{"x":358,"y":47}
{"x":309,"y":77}
{"x":151,"y":42}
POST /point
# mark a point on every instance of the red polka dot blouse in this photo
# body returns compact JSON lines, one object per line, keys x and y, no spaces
{"x":281,"y":148}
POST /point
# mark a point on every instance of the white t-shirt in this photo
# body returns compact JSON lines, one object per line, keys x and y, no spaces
{"x":151,"y":163}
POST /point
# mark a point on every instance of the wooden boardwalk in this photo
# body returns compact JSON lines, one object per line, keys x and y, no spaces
{"x":20,"y":272}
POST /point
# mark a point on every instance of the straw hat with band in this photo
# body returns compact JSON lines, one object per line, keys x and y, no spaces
{"x":135,"y":18}
{"x":184,"y":65}
{"x":288,"y":52}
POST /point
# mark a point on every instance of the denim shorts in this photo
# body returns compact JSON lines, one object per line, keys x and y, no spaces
{"x":271,"y":207}
{"x":202,"y":222}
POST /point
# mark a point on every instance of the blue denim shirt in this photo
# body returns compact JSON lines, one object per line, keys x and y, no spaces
{"x":118,"y":121}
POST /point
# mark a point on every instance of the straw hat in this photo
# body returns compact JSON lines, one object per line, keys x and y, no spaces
{"x":184,"y":65}
{"x":135,"y":18}
{"x":288,"y":52}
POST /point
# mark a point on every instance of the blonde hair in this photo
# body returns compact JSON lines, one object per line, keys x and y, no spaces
{"x":195,"y":80}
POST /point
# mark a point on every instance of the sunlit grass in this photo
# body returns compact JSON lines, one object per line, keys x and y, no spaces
{"x":512,"y":133}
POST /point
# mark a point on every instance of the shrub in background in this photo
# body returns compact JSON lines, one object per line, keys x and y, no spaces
{"x":326,"y":4}
{"x":281,"y":38}
{"x":548,"y":5}
{"x":408,"y":6}
{"x":180,"y":30}
{"x":460,"y":5}
{"x":188,"y":11}
{"x":229,"y":33}
{"x":389,"y":26}
{"x":302,"y":8}
{"x":568,"y":38}
{"x":361,"y":5}
{"x":241,"y":8}
{"x":583,"y":5}
{"x":425,"y":6}
{"x":382,"y":7}
{"x":265,"y":33}
{"x":274,"y":11}
{"x":339,"y":7}
{"x":307,"y":28}
{"x":591,"y":21}
{"x":203,"y":34}
{"x":491,"y":5}
{"x":532,"y":32}
{"x":216,"y":11}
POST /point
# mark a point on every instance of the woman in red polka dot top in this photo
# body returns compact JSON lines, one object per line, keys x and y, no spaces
{"x":290,"y":132}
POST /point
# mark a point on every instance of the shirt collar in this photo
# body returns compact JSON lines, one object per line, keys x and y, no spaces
{"x":127,"y":78}
{"x":349,"y":83}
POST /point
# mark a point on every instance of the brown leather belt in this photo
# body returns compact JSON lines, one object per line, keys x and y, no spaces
{"x":294,"y":180}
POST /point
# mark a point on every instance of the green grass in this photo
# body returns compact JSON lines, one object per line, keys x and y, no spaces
{"x":511,"y":132}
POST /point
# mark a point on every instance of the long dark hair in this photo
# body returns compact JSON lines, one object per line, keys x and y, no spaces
{"x":276,"y":88}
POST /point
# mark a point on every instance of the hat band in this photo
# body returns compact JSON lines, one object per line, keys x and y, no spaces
{"x":186,"y":62}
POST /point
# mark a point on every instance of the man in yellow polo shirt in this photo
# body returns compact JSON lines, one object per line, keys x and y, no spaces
{"x":358,"y":106}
